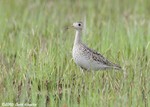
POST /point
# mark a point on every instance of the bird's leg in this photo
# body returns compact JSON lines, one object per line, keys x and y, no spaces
{"x":93,"y":76}
{"x":82,"y":75}
{"x":82,"y":71}
{"x":125,"y":73}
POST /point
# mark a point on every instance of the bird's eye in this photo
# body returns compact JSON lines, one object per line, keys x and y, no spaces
{"x":79,"y":24}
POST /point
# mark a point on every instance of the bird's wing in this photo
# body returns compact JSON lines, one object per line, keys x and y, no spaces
{"x":100,"y":58}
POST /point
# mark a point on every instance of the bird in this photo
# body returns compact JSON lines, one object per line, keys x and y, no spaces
{"x":86,"y":58}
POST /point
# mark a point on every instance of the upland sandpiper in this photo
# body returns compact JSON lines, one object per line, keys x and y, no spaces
{"x":87,"y":58}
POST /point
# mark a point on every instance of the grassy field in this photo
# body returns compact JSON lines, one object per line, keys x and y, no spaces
{"x":36,"y":65}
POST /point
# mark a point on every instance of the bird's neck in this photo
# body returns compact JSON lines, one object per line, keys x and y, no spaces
{"x":78,"y":37}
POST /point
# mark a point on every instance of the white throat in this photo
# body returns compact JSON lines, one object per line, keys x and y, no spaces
{"x":78,"y":37}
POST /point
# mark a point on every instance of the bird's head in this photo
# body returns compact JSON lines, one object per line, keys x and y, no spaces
{"x":78,"y":25}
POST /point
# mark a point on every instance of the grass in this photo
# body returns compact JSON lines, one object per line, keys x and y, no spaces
{"x":36,"y":65}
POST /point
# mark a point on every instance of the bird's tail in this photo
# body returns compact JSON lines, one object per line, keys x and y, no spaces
{"x":117,"y":67}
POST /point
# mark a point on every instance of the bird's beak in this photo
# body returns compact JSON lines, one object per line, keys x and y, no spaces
{"x":68,"y":27}
{"x":71,"y":26}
